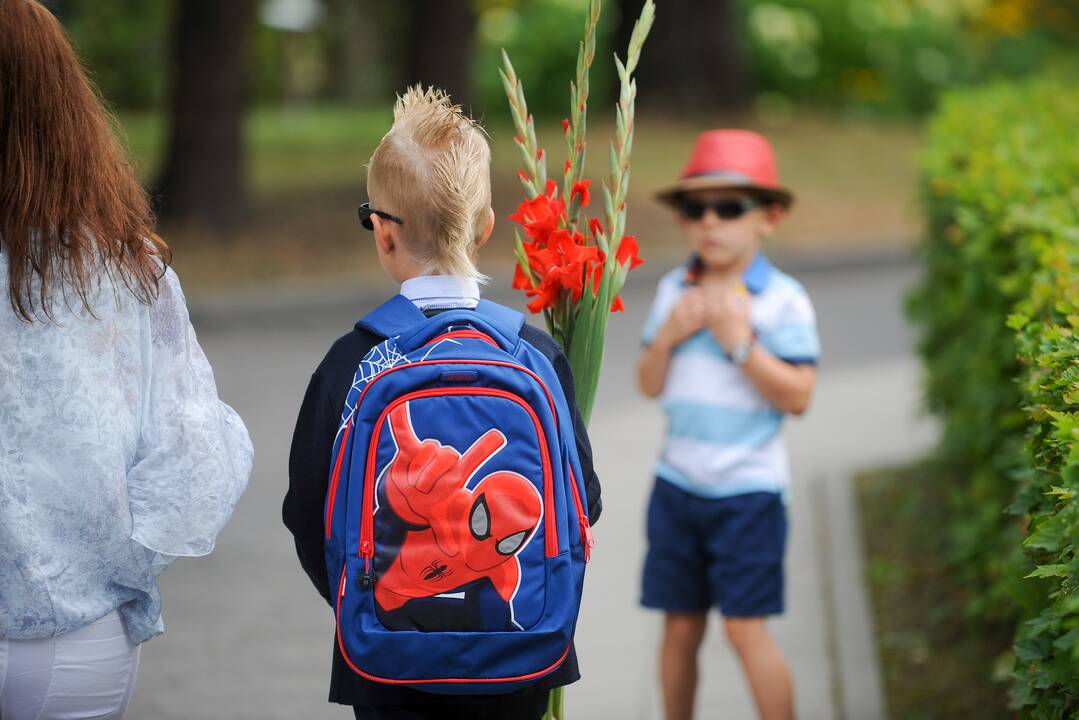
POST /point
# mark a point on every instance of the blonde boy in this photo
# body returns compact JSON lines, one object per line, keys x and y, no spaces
{"x":430,"y":212}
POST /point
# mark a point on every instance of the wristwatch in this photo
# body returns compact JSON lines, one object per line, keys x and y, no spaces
{"x":740,"y":352}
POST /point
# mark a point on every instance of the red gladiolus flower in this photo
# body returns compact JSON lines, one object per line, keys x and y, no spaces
{"x":597,"y":276}
{"x":540,"y":215}
{"x":546,"y":296}
{"x":520,"y":279}
{"x":581,"y":187}
{"x":563,"y":264}
{"x":565,"y":126}
{"x":618,"y":305}
{"x":627,"y":251}
{"x":596,"y":226}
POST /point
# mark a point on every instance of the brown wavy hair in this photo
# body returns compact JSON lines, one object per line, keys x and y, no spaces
{"x":71,"y":206}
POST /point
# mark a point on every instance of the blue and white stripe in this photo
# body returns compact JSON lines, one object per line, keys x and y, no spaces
{"x":723,"y":438}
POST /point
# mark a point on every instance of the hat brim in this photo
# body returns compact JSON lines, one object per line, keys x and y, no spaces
{"x":669,"y":195}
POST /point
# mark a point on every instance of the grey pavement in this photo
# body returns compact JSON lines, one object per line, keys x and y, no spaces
{"x":247,"y":636}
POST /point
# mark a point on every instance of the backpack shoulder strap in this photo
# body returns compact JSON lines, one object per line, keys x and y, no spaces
{"x":392,"y":317}
{"x":501,"y":315}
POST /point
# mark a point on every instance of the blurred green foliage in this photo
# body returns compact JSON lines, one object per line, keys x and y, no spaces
{"x":999,"y":311}
{"x":290,"y":149}
{"x":541,"y":37}
{"x":895,"y":56}
{"x":123,"y":45}
{"x":890,"y":57}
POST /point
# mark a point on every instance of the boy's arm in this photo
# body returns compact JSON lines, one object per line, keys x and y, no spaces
{"x":308,"y":473}
{"x":687,"y":317}
{"x":652,"y":367}
{"x":788,"y":386}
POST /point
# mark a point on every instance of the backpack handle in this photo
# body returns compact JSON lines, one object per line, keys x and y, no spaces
{"x":399,"y":317}
{"x":421,"y":335}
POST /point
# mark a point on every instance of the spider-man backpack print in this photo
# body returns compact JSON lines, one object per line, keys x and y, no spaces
{"x":456,"y":514}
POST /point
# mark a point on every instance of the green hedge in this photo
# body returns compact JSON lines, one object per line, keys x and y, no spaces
{"x":998,"y":310}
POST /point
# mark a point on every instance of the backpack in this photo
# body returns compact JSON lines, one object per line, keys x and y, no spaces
{"x":456,"y":516}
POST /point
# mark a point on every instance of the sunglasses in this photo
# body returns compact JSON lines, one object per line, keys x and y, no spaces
{"x":727,"y":209}
{"x":366,"y":211}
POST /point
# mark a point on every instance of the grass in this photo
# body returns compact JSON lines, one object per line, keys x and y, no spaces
{"x":938,"y":664}
{"x":854,"y":180}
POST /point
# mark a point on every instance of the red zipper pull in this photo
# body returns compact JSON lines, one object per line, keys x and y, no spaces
{"x":367,"y":550}
{"x":589,"y":541}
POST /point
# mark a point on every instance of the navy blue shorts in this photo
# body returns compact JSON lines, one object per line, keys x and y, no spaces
{"x":715,"y":552}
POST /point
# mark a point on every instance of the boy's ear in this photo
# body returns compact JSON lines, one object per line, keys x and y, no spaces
{"x":773,"y":213}
{"x":383,"y":235}
{"x":487,"y":230}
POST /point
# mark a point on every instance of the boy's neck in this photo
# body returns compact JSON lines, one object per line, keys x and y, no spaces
{"x":730,"y":272}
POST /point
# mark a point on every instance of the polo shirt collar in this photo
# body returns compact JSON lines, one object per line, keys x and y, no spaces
{"x":756,"y":277}
{"x":758,"y":274}
{"x":441,"y":291}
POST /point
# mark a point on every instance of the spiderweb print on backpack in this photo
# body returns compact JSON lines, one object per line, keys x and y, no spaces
{"x":381,"y":357}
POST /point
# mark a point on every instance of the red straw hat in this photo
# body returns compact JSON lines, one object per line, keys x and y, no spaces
{"x":730,"y":159}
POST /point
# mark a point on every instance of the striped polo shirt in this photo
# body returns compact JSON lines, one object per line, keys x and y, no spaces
{"x":723,"y":438}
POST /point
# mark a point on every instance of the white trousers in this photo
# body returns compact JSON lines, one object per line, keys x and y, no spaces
{"x":86,"y":673}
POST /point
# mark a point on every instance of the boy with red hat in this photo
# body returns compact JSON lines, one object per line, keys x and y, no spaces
{"x":731,"y":347}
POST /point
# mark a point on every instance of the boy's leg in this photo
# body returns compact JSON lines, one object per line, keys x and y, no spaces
{"x":675,"y":581}
{"x":747,"y":577}
{"x":682,"y":636}
{"x":765,"y":667}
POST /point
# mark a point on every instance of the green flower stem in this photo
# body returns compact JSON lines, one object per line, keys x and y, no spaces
{"x":581,"y":327}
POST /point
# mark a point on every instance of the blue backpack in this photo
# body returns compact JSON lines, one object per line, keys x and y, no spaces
{"x":456,"y":516}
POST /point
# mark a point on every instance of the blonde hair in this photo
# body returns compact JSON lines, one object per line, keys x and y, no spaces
{"x":433,"y":169}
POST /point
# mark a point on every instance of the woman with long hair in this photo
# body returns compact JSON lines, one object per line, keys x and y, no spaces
{"x":116,"y":455}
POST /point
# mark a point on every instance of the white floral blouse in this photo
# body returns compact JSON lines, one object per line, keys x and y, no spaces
{"x":116,"y":457}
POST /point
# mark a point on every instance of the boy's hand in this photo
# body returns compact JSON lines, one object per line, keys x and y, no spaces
{"x":688,"y":316}
{"x":728,"y":316}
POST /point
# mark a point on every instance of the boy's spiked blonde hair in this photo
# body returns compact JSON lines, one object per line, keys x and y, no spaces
{"x":433,"y":169}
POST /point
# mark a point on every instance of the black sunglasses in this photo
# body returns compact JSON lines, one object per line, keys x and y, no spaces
{"x":366,"y":211}
{"x":727,"y":209}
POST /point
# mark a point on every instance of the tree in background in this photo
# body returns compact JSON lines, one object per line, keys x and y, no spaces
{"x":109,"y":36}
{"x":203,"y":177}
{"x":695,"y":59}
{"x":440,"y":41}
{"x":354,"y":50}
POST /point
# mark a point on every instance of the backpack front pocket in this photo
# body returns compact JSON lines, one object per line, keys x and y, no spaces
{"x":457,"y":513}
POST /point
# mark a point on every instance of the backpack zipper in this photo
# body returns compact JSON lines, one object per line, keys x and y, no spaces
{"x":582,"y":519}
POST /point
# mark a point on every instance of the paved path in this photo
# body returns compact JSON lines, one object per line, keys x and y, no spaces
{"x":248,"y":638}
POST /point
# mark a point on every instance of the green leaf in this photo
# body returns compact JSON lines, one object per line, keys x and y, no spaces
{"x":1049,"y":571}
{"x":1017,"y":321}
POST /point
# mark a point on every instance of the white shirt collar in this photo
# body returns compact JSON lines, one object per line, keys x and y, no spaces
{"x":441,"y":291}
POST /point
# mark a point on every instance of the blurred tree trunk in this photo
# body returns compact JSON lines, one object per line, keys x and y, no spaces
{"x":440,"y":37}
{"x":694,"y":58}
{"x":354,"y":51}
{"x":203,"y":176}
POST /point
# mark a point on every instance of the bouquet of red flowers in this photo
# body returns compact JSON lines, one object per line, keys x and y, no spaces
{"x":573,"y":269}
